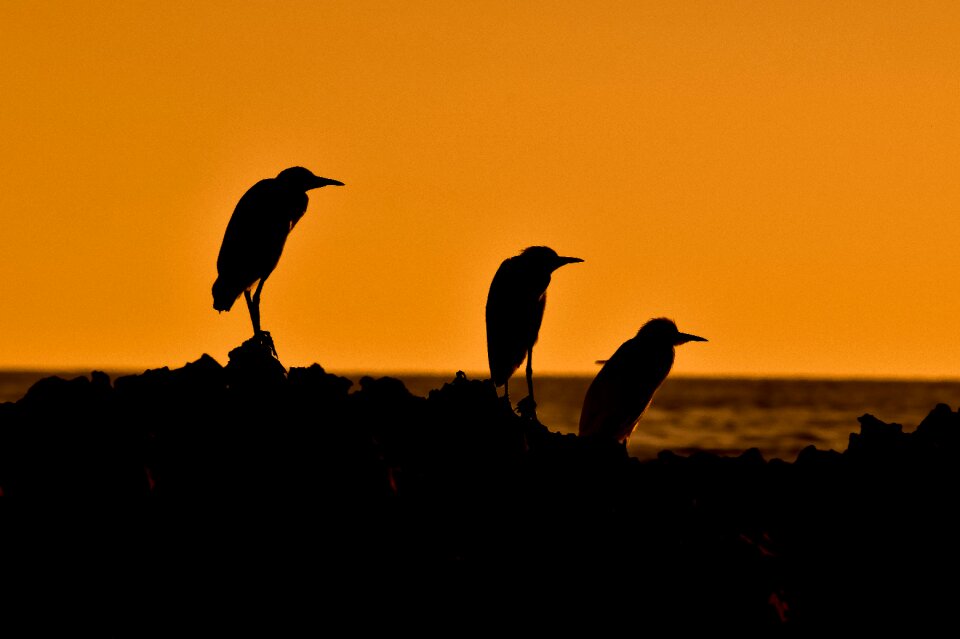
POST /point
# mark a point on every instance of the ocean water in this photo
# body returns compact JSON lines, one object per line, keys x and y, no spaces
{"x":726,"y":416}
{"x":779,"y":416}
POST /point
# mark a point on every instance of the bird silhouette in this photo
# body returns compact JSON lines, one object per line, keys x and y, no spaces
{"x":515,"y":303}
{"x":255,"y":236}
{"x":624,"y":387}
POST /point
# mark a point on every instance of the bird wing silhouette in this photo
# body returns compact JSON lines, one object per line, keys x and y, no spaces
{"x":620,"y":393}
{"x":254,"y":239}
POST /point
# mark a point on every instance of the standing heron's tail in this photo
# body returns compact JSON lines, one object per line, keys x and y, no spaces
{"x":223,"y":295}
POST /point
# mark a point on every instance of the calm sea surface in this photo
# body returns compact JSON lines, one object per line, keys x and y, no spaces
{"x":720,"y":415}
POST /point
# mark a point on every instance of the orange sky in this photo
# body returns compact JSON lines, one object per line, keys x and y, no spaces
{"x":779,"y":177}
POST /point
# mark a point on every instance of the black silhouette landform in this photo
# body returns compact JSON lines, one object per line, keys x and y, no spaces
{"x":250,"y":469}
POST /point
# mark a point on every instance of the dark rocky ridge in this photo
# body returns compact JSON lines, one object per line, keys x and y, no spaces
{"x":256,"y":471}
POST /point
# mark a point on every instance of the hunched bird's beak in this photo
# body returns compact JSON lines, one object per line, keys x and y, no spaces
{"x":683,"y":338}
{"x":322,"y":181}
{"x":567,"y":260}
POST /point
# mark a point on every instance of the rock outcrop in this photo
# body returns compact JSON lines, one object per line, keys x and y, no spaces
{"x":250,"y":469}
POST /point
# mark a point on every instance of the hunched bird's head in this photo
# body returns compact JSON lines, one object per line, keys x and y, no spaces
{"x":545,"y":259}
{"x":302,"y":179}
{"x":661,"y":330}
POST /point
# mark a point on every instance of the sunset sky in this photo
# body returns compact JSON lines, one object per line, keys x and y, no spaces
{"x":779,"y":177}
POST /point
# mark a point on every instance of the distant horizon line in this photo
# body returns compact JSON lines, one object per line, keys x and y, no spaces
{"x":114,"y":371}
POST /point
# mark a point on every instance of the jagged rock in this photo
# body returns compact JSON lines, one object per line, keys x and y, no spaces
{"x":315,"y":380}
{"x":876,"y":439}
{"x":294,"y":470}
{"x":814,"y":457}
{"x":752,"y":457}
{"x":254,"y":366}
{"x":940,"y":429}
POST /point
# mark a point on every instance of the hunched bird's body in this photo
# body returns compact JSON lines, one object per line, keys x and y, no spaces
{"x":256,"y":234}
{"x":623,"y":389}
{"x":514,"y":311}
{"x":254,"y":239}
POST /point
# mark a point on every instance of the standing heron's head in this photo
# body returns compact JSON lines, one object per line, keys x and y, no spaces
{"x":663,"y":331}
{"x":545,"y":259}
{"x":302,"y":179}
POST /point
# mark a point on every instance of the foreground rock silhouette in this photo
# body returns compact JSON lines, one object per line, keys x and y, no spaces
{"x":253,"y":474}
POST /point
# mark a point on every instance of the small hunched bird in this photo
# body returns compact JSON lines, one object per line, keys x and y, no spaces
{"x":515,"y":303}
{"x":255,"y":236}
{"x":624,"y":387}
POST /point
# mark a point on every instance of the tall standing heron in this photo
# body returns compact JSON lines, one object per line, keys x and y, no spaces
{"x":255,"y":236}
{"x":624,"y":387}
{"x":515,"y":303}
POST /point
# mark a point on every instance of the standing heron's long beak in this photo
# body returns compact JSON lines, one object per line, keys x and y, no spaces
{"x":322,"y":181}
{"x":683,"y":338}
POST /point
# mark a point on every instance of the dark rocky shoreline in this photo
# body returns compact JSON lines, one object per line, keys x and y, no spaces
{"x":256,"y":472}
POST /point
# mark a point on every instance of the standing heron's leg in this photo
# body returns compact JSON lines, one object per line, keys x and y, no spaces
{"x":506,"y":390}
{"x":530,"y":373}
{"x":254,"y":303}
{"x":254,"y":309}
{"x":256,"y":306}
{"x":526,"y":406}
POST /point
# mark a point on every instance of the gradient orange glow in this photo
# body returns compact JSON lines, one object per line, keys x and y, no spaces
{"x":779,"y":177}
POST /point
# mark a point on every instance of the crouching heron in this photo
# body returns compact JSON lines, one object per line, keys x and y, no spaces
{"x":624,"y":387}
